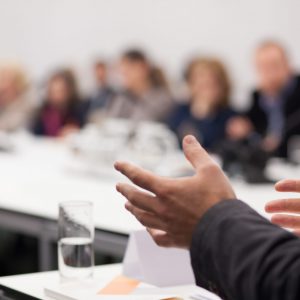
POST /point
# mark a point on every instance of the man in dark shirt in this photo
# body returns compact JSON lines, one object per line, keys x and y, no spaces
{"x":275,"y":107}
{"x":235,"y":252}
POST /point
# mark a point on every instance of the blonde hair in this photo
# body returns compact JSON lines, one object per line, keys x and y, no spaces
{"x":219,"y":71}
{"x":18,"y":74}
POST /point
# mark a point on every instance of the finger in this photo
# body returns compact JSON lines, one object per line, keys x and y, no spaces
{"x":288,"y":185}
{"x":194,"y":152}
{"x":138,"y":176}
{"x":145,"y":218}
{"x":287,"y":221}
{"x":283,"y":205}
{"x":138,"y":198}
{"x":161,"y":238}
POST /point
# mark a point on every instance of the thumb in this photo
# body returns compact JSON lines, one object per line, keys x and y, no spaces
{"x":194,"y":152}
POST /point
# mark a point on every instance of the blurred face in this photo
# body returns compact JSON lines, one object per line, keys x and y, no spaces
{"x":272,"y":68}
{"x":58,"y":92}
{"x":205,"y":86}
{"x":133,"y":74}
{"x":100,"y":74}
{"x":9,"y":89}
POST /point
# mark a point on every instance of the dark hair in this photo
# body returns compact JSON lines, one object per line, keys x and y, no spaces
{"x":73,"y":100}
{"x":135,"y":55}
{"x":156,"y":74}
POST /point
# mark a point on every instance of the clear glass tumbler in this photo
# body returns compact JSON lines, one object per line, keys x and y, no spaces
{"x":76,"y":240}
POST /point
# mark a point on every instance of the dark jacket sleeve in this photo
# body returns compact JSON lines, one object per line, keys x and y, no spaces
{"x":239,"y":255}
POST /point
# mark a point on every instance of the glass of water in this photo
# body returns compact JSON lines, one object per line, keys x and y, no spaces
{"x":76,"y":239}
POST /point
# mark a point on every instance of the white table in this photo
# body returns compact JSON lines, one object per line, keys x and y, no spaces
{"x":39,"y":175}
{"x":34,"y":284}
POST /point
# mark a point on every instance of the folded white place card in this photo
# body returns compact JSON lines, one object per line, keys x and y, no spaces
{"x":149,"y":263}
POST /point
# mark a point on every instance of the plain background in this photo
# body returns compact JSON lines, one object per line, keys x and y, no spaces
{"x":44,"y":34}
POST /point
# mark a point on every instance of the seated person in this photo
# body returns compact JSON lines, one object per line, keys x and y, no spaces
{"x":207,"y":111}
{"x":103,"y":93}
{"x":15,"y":104}
{"x":275,"y":107}
{"x":145,"y":96}
{"x":61,"y":113}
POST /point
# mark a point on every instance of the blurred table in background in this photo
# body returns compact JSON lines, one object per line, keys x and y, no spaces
{"x":41,"y":173}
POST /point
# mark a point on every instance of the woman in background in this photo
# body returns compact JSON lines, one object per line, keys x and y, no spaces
{"x":145,"y":96}
{"x":207,"y":111}
{"x":15,"y":104}
{"x":61,"y":113}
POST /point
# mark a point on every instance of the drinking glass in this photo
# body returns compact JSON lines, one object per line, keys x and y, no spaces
{"x":76,"y":240}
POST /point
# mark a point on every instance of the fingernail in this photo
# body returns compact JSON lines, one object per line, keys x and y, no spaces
{"x":267,"y":208}
{"x":116,"y":165}
{"x":190,"y":139}
{"x":118,"y":187}
{"x":127,"y":206}
{"x":285,"y":185}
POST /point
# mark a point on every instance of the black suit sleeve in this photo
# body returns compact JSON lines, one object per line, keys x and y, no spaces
{"x":239,"y":255}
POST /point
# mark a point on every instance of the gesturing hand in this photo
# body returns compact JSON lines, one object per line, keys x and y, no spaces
{"x":171,"y":208}
{"x":283,"y":207}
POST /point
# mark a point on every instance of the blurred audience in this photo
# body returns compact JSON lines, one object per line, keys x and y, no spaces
{"x":103,"y":93}
{"x":145,"y":96}
{"x":207,"y":111}
{"x":16,"y":105}
{"x":62,"y":111}
{"x":274,"y":115}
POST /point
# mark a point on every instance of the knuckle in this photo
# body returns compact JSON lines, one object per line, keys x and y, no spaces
{"x":165,"y":189}
{"x":131,"y":197}
{"x":142,"y":219}
{"x":169,"y":225}
{"x":211,"y":168}
{"x":285,"y":204}
{"x":162,"y":211}
{"x":134,"y":176}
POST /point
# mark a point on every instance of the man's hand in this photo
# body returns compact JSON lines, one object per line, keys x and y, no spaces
{"x":171,"y":208}
{"x":283,"y":207}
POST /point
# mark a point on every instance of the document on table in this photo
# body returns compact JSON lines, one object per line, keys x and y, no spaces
{"x":92,"y":291}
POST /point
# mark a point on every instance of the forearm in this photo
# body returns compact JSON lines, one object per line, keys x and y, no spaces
{"x":239,"y":255}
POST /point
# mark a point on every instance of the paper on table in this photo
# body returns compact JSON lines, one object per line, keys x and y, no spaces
{"x":89,"y":290}
{"x":120,"y":285}
{"x":147,"y":262}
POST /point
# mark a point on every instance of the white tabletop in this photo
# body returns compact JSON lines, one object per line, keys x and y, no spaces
{"x":34,"y":285}
{"x":37,"y":177}
{"x":41,"y":173}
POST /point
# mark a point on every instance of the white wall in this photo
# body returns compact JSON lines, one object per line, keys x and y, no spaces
{"x":44,"y":34}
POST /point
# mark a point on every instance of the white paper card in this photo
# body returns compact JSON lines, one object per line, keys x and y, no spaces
{"x":149,"y":263}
